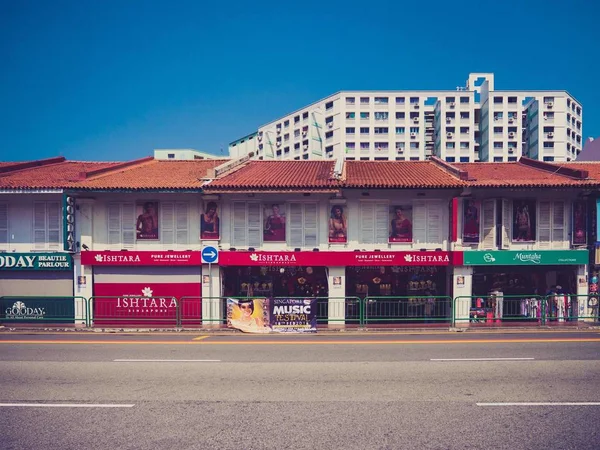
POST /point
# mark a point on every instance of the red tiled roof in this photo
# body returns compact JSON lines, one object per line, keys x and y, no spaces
{"x":49,"y":176}
{"x":277,"y":176}
{"x":591,"y":167}
{"x":515,"y":174}
{"x":152,"y":175}
{"x":398,"y":174}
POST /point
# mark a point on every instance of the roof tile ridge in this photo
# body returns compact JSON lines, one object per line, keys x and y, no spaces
{"x":551,"y":169}
{"x":25,"y":165}
{"x":459,"y":174}
{"x":98,"y":173}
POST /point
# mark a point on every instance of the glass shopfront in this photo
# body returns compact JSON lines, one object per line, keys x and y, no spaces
{"x":273,"y":281}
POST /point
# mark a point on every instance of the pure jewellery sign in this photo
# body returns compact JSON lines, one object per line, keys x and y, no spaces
{"x":526,"y":258}
{"x":35,"y":261}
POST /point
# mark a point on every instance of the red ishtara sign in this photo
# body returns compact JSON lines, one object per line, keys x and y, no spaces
{"x":129,"y":258}
{"x":330,"y":258}
{"x":146,"y":304}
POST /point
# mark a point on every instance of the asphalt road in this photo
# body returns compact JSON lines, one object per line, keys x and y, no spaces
{"x":376,"y":391}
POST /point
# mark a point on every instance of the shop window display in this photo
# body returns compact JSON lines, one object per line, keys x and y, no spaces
{"x":400,"y":292}
{"x":266,"y":281}
{"x":517,"y":296}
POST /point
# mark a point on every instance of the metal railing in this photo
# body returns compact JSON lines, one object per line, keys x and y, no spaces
{"x":43,"y":309}
{"x":407,"y":309}
{"x":194,"y":312}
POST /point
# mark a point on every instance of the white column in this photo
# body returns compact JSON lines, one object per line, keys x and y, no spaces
{"x":462,"y":280}
{"x":582,"y":293}
{"x":337,"y":295}
{"x":211,"y":294}
{"x":84,"y":231}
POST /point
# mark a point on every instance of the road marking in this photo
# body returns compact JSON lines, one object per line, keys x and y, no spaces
{"x":166,"y":360}
{"x":199,"y":338}
{"x":541,"y":404}
{"x":482,"y":359}
{"x":65,"y":405}
{"x":304,"y":342}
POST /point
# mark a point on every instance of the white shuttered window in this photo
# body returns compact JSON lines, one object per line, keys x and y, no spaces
{"x":374,"y":222}
{"x":303,"y":225}
{"x":488,"y":241}
{"x":46,"y":225}
{"x":174,"y":224}
{"x":121,"y":225}
{"x":3,"y":226}
{"x":247,"y":224}
{"x":551,"y":225}
{"x":427,"y":222}
{"x":507,"y":221}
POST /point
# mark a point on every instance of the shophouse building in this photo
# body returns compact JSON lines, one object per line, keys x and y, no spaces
{"x":401,"y":239}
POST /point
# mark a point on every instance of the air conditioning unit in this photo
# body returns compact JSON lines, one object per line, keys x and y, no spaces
{"x":330,"y":124}
{"x":305,"y":146}
{"x":550,"y":104}
{"x":416,"y":120}
{"x":400,"y":150}
{"x":278,"y":143}
{"x":511,"y":134}
{"x":303,"y":132}
{"x":511,"y":120}
{"x":550,"y":135}
{"x":452,"y":105}
{"x":449,"y":134}
{"x":448,"y":120}
{"x":416,"y":106}
{"x":259,"y":137}
{"x":511,"y":150}
{"x":413,"y":135}
{"x":278,"y":130}
{"x":496,"y":118}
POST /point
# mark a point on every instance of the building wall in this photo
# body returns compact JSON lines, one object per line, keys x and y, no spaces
{"x":22,"y":227}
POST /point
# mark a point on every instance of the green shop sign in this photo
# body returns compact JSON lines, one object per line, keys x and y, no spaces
{"x":35,"y":261}
{"x":526,"y":258}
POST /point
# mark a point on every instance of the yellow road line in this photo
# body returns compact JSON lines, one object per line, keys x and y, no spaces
{"x":305,"y":342}
{"x":199,"y":338}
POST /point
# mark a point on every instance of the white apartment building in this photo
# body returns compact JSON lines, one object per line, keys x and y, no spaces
{"x":468,"y":124}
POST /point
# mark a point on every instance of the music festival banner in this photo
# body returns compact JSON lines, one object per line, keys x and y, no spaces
{"x":278,"y":315}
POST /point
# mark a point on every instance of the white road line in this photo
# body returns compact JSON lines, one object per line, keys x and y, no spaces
{"x":66,"y":405}
{"x":166,"y":360}
{"x":483,"y":359}
{"x":541,"y":404}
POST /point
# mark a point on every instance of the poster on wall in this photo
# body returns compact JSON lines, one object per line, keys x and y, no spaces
{"x":579,"y":235}
{"x":524,"y":221}
{"x":274,"y":225}
{"x":401,"y":223}
{"x":338,"y":225}
{"x":146,"y":226}
{"x":278,"y":315}
{"x":209,"y":222}
{"x":471,"y":209}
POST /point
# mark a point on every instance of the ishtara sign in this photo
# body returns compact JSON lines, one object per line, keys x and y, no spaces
{"x":340,"y":258}
{"x":117,"y":258}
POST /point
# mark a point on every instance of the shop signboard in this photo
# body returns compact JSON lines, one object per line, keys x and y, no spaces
{"x":69,"y":223}
{"x":35,"y":261}
{"x":32,"y":310}
{"x":151,"y":304}
{"x":526,"y":257}
{"x":277,"y":315}
{"x":144,"y":258}
{"x":332,"y":258}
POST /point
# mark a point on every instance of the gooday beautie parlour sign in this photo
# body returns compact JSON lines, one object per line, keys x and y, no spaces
{"x":35,"y":261}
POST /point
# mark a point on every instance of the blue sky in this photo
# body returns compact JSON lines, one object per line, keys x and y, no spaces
{"x":112,"y":80}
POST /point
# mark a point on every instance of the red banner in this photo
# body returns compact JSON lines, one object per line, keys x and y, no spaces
{"x":130,"y":258}
{"x":146,"y":304}
{"x":331,"y":258}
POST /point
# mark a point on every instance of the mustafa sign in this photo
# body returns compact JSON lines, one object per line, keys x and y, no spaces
{"x":526,"y":257}
{"x":35,"y":261}
{"x":151,"y":304}
{"x":340,"y":258}
{"x":185,"y":258}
